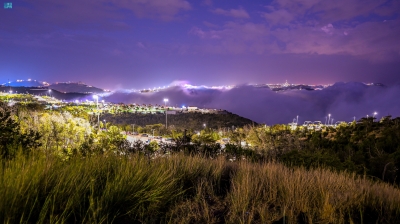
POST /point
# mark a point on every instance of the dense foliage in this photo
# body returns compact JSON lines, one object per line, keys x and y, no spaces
{"x":181,"y":121}
{"x":57,"y":166}
{"x":12,"y":138}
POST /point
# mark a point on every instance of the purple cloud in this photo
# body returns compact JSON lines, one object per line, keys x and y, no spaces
{"x":236,"y":38}
{"x":329,"y":11}
{"x":208,"y":2}
{"x":43,"y":16}
{"x":280,"y":16}
{"x":375,"y":41}
{"x":360,"y":41}
{"x":165,"y":9}
{"x":236,"y":13}
{"x":310,"y":27}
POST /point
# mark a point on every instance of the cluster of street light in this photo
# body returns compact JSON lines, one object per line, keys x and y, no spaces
{"x":328,"y":122}
{"x":96,"y":97}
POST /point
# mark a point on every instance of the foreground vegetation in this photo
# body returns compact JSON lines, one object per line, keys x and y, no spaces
{"x":56,"y":167}
{"x":186,"y":189}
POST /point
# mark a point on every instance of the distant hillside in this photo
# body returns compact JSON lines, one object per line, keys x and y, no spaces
{"x":69,"y":87}
{"x":193,"y":121}
{"x":25,"y":83}
{"x":63,"y":87}
{"x":44,"y":91}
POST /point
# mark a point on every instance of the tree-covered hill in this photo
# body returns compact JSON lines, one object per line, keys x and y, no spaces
{"x":75,"y":88}
{"x":194,"y":121}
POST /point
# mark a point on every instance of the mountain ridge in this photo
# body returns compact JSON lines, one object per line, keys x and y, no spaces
{"x":63,"y":87}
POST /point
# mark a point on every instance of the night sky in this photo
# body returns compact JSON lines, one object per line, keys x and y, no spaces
{"x":146,"y":43}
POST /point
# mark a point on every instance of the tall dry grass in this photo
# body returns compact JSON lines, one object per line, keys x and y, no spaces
{"x":273,"y":193}
{"x":90,"y":190}
{"x":185,"y":189}
{"x":270,"y":192}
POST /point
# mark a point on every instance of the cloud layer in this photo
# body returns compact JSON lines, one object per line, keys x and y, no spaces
{"x":236,"y":13}
{"x":343,"y":101}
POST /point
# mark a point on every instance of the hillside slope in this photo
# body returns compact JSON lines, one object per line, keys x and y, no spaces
{"x":193,"y":121}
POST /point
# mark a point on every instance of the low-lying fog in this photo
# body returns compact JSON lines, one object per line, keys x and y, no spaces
{"x":343,"y":101}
